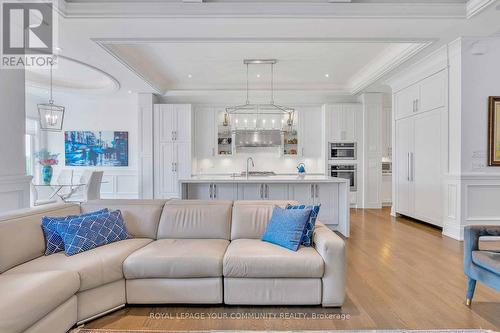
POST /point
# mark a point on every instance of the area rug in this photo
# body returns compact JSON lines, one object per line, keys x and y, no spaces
{"x":246,"y":331}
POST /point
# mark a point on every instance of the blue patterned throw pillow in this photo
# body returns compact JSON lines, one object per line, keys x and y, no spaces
{"x":85,"y":233}
{"x":307,"y":237}
{"x":286,"y":227}
{"x":54,"y":242}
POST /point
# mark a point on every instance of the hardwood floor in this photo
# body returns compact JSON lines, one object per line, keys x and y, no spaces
{"x":401,"y":274}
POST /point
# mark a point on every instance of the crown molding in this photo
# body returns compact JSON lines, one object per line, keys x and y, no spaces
{"x":474,"y":7}
{"x":270,"y":9}
{"x":387,"y":64}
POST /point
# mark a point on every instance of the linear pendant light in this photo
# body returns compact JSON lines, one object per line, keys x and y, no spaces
{"x":261,"y":109}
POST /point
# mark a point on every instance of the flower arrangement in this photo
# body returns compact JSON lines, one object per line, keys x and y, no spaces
{"x":45,"y":158}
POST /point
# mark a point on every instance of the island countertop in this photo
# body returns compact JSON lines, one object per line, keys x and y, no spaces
{"x":283,"y":179}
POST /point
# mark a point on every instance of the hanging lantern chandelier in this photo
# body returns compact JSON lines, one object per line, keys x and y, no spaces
{"x":51,"y":115}
{"x":260,"y":109}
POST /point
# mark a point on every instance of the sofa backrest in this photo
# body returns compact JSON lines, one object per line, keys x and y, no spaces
{"x":196,"y":219}
{"x":141,"y":217}
{"x":250,"y":218}
{"x":21,"y":235}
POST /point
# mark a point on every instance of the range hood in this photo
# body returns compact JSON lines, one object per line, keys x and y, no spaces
{"x":257,"y":138}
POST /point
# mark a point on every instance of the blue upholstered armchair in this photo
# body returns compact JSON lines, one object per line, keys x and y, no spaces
{"x":480,"y":264}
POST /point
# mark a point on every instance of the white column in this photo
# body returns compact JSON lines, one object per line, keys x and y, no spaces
{"x":145,"y":105}
{"x":372,"y":150}
{"x":14,"y":183}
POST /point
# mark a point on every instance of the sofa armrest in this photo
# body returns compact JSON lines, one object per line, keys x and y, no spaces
{"x":471,"y":241}
{"x":332,"y":249}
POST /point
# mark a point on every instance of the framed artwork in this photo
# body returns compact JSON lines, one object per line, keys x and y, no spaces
{"x":494,"y":131}
{"x":96,"y":148}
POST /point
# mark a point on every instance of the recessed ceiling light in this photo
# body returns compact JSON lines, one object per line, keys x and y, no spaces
{"x":130,"y":91}
{"x":327,"y":75}
{"x":258,"y":75}
{"x":190,"y":76}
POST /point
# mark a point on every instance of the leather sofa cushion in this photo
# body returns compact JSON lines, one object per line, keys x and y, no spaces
{"x":96,"y":267}
{"x":21,"y":235}
{"x":27,"y":298}
{"x":487,"y":260}
{"x":253,"y":258}
{"x":196,"y":219}
{"x":177,"y":258}
{"x":489,"y":243}
{"x":250,"y":218}
{"x":141,"y":216}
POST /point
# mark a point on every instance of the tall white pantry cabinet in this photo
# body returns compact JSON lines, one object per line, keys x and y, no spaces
{"x":172,"y":148}
{"x":420,"y":119}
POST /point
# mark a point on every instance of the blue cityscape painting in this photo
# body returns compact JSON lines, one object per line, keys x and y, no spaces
{"x":101,"y":148}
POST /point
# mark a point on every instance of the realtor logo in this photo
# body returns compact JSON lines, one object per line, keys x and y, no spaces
{"x":27,"y":34}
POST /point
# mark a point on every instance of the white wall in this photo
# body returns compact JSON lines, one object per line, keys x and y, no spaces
{"x":14,"y":184}
{"x":480,"y":79}
{"x":113,"y":112}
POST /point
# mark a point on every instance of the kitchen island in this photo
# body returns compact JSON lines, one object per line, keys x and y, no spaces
{"x":332,"y":193}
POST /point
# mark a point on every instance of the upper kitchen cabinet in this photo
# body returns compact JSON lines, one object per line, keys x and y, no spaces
{"x":174,"y":121}
{"x":310,"y":132}
{"x":204,"y":131}
{"x":341,"y":122}
{"x":425,"y":95}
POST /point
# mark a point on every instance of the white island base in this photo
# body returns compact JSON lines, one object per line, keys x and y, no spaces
{"x":331,"y":193}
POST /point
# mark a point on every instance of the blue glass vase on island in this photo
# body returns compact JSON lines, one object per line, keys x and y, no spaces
{"x":46,"y":160}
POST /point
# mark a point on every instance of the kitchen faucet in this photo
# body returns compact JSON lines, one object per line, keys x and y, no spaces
{"x":253,"y":165}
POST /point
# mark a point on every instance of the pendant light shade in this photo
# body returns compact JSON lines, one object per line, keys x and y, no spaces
{"x":253,"y":110}
{"x":51,"y":115}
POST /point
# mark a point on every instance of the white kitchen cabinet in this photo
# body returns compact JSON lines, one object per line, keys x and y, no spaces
{"x":402,"y":164}
{"x":418,"y":167}
{"x":387,"y":132}
{"x":172,"y":148}
{"x":405,"y":101}
{"x":310,"y":136}
{"x":341,"y":122}
{"x":275,"y":191}
{"x":426,"y":95}
{"x":303,"y":193}
{"x":386,"y":189}
{"x":327,"y":196}
{"x":205,"y":132}
{"x":174,"y":122}
{"x":250,"y":192}
{"x":426,"y":167}
{"x":324,"y":194}
{"x":212,"y":191}
{"x":224,"y":191}
{"x":263,"y":191}
{"x":431,"y":92}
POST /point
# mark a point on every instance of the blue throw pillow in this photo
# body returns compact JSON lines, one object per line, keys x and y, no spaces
{"x":88,"y":232}
{"x":286,"y":227}
{"x":54,"y":242}
{"x":307,"y":237}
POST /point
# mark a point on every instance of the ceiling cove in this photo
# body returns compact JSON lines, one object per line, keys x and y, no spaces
{"x":342,"y":67}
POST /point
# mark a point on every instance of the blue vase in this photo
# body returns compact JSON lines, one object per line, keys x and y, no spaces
{"x":46,"y":174}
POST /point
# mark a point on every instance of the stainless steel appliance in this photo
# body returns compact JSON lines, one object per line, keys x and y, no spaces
{"x":342,"y":150}
{"x":346,"y":171}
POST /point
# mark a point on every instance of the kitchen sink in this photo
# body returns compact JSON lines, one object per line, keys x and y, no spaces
{"x":258,"y":174}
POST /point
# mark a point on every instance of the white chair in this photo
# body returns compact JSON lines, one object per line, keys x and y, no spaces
{"x":90,"y":191}
{"x":65,"y":177}
{"x":36,"y":201}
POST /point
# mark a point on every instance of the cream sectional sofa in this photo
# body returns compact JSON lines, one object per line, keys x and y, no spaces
{"x":180,"y":251}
